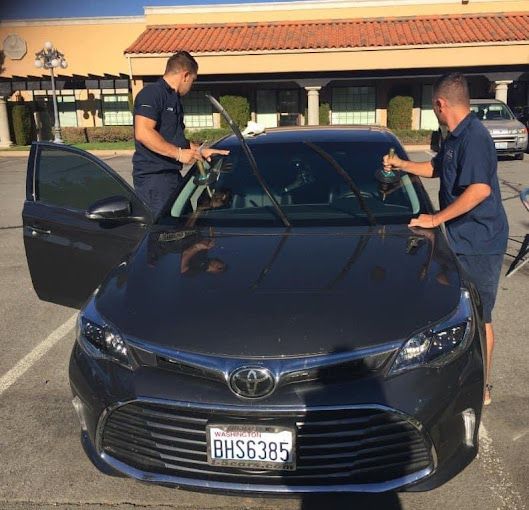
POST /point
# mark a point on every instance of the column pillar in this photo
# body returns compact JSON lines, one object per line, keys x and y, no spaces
{"x":5,"y":137}
{"x":501,"y":89}
{"x":136,"y":85}
{"x":313,"y":113}
{"x":416,"y":112}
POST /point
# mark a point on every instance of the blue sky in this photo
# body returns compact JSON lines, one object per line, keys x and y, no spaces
{"x":27,"y":9}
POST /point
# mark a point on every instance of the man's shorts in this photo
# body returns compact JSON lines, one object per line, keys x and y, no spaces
{"x":484,"y":272}
{"x":157,"y":189}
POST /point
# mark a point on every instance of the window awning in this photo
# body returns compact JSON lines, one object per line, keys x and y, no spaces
{"x":333,"y":34}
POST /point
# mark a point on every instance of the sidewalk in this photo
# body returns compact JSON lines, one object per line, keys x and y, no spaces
{"x":129,"y":152}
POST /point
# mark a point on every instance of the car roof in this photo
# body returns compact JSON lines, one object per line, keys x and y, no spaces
{"x":484,"y":101}
{"x":298,"y":134}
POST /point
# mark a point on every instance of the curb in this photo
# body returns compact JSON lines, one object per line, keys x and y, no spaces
{"x":102,"y":153}
{"x":416,"y":148}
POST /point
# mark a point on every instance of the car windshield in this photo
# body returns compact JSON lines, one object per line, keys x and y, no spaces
{"x":491,"y":111}
{"x":309,"y":190}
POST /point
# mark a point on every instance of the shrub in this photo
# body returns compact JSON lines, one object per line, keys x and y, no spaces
{"x":238,"y":108}
{"x":207,"y":135}
{"x":74,"y":135}
{"x":414,"y":136}
{"x":23,"y":124}
{"x":324,"y":114}
{"x":400,"y":112}
{"x":110,"y":134}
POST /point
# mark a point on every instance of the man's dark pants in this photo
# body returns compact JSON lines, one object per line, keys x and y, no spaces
{"x":156,"y":189}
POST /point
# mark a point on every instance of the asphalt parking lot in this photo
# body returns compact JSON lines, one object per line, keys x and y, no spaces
{"x":42,"y":465}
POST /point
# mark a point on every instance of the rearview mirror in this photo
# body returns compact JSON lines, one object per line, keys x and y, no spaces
{"x":111,"y":208}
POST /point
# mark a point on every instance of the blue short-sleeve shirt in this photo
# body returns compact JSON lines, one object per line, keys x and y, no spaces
{"x":468,"y":156}
{"x":159,"y":102}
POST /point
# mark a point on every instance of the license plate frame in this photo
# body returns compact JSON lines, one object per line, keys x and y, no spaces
{"x":501,"y":145}
{"x":255,"y":430}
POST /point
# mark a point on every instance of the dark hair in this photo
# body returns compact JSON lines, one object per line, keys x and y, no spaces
{"x":181,"y":61}
{"x":453,"y":87}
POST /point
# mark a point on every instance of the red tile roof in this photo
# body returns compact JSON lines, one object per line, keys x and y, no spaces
{"x":325,"y":34}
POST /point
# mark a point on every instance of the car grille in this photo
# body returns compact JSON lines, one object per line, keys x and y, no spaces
{"x":346,"y":446}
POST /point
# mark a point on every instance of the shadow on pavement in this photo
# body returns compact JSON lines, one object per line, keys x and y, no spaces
{"x":386,"y":501}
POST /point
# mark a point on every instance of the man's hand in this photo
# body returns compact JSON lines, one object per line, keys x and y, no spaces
{"x":424,"y":169}
{"x":425,"y":221}
{"x":188,"y":156}
{"x":207,"y":153}
{"x":391,"y":162}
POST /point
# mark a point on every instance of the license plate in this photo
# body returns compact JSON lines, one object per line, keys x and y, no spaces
{"x":252,"y":446}
{"x":500,"y":145}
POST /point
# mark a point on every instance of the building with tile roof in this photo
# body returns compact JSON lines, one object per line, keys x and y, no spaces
{"x":287,"y":59}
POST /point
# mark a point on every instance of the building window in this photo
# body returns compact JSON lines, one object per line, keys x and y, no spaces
{"x":428,"y":118}
{"x":65,"y":105}
{"x":353,"y":105}
{"x":67,"y":111}
{"x":116,"y":111}
{"x":198,"y":111}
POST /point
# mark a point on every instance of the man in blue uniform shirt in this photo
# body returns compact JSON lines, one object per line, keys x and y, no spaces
{"x":161,"y":146}
{"x":469,"y":195}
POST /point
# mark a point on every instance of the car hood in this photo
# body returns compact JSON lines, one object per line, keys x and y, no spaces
{"x":277,"y":293}
{"x":499,"y":125}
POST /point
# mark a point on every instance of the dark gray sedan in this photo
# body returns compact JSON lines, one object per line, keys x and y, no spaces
{"x":278,"y":329}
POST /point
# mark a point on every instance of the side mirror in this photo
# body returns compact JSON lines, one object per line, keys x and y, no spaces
{"x":111,"y":208}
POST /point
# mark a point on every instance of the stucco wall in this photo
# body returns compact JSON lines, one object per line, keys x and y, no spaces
{"x":89,"y":48}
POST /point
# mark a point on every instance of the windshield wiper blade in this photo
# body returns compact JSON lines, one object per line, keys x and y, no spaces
{"x":346,"y":177}
{"x":251,"y":159}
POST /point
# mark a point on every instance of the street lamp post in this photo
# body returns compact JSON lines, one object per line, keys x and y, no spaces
{"x":50,"y":58}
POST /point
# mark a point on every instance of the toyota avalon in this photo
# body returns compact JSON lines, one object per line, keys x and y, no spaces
{"x":277,"y":329}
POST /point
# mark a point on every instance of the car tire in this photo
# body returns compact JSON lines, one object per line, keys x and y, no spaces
{"x":519,"y":157}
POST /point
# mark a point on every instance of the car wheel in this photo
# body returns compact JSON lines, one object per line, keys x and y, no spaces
{"x":519,"y":157}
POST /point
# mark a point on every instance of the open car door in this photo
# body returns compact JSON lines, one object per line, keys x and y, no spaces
{"x":80,"y":220}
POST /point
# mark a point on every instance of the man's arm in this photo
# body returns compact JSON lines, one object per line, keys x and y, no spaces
{"x":470,"y":198}
{"x":145,"y":133}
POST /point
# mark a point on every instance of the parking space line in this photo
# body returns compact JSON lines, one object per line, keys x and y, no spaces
{"x":25,"y":363}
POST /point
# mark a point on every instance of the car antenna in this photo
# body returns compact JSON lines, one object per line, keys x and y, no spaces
{"x":251,"y":159}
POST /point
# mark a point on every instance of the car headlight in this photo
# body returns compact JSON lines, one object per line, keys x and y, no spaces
{"x":440,"y":344}
{"x":100,"y":338}
{"x":521,"y":131}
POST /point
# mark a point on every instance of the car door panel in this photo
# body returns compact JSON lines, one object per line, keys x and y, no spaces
{"x":68,"y":254}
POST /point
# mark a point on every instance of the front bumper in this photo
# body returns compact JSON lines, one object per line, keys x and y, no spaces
{"x":427,"y":404}
{"x":508,"y":145}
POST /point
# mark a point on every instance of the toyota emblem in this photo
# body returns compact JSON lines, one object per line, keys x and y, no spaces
{"x":252,"y":382}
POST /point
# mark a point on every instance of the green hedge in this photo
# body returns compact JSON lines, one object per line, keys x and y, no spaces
{"x":98,"y":134}
{"x":74,"y":135}
{"x":207,"y":135}
{"x":23,"y":124}
{"x":400,"y":112}
{"x":238,"y":108}
{"x":110,"y":134}
{"x":325,"y":108}
{"x":414,"y":136}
